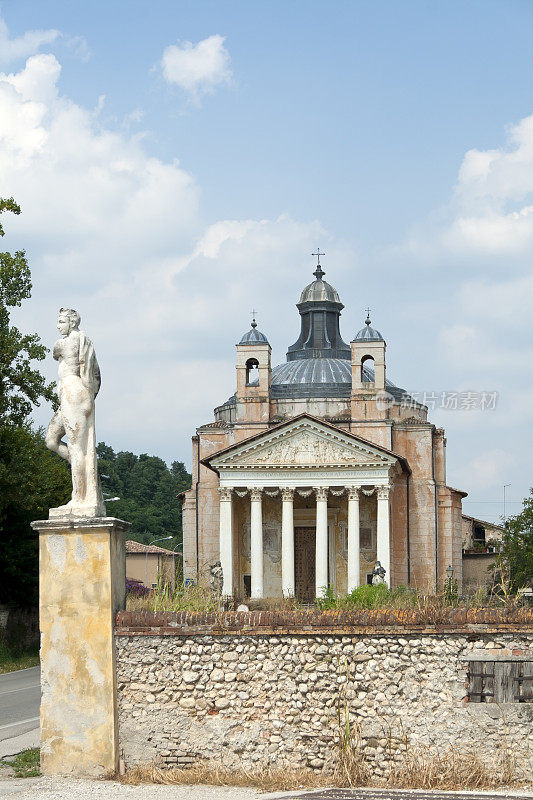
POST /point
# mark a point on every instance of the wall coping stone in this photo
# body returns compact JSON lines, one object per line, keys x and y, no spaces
{"x":309,"y":622}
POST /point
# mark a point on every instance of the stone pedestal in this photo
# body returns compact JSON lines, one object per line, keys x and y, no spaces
{"x":82,"y":568}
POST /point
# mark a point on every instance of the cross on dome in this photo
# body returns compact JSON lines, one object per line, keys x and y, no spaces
{"x":319,"y":272}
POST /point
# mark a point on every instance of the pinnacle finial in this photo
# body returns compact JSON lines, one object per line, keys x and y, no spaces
{"x":253,"y":312}
{"x":367,"y":320}
{"x":319,"y":272}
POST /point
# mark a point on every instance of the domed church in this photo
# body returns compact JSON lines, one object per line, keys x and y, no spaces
{"x":318,"y":468}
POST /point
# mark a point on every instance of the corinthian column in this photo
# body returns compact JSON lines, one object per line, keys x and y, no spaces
{"x":287,"y":542}
{"x":226,"y":540}
{"x":383,"y":531}
{"x":256,"y":542}
{"x":321,"y":540}
{"x":353,"y":538}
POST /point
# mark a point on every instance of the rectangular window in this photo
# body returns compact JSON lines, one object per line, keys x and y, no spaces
{"x":500,"y":681}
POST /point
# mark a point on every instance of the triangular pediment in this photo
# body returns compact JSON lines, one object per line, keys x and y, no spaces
{"x":304,"y":442}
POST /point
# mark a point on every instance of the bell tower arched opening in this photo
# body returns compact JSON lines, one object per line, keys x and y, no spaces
{"x":252,"y":372}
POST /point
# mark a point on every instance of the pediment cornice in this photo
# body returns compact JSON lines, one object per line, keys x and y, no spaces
{"x":303,"y":443}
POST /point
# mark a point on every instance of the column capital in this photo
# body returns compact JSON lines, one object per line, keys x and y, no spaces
{"x":256,"y":493}
{"x":354,"y":492}
{"x":287,"y":493}
{"x":383,"y":492}
{"x":321,"y":492}
{"x":225,"y":492}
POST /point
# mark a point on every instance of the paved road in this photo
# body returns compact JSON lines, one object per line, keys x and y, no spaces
{"x":400,"y":794}
{"x":20,"y":695}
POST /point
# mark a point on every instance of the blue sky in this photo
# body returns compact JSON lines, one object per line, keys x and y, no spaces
{"x":167,"y":188}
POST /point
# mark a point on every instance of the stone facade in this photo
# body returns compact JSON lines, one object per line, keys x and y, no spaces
{"x":256,"y":699}
{"x":345,"y":388}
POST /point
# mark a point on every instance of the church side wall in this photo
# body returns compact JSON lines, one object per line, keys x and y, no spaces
{"x":399,"y":567}
{"x":415,"y":444}
{"x":263,"y":698}
{"x":207,"y":442}
{"x":450,"y":528}
{"x":377,"y":432}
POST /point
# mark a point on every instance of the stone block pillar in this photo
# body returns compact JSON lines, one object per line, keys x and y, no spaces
{"x":353,"y":538}
{"x":82,"y":570}
{"x":226,"y":539}
{"x":256,"y":543}
{"x":287,"y":542}
{"x":321,"y":569}
{"x":383,"y":531}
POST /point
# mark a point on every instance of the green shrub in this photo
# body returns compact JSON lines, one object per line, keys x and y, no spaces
{"x":368,"y":596}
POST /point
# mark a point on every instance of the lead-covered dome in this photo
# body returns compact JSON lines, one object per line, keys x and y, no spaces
{"x":320,"y":291}
{"x":253,"y":336}
{"x":320,"y":377}
{"x":368,"y":334}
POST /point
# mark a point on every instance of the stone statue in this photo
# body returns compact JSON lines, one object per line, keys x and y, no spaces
{"x":78,"y":385}
{"x":378,"y":574}
{"x":216,"y":577}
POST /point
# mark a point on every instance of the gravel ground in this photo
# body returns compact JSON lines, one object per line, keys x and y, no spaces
{"x":72,"y":789}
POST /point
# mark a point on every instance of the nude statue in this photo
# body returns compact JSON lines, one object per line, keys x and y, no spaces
{"x":78,"y":385}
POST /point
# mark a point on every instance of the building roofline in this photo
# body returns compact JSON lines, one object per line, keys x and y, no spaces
{"x":483,"y":521}
{"x":150,"y":549}
{"x":458,"y":491}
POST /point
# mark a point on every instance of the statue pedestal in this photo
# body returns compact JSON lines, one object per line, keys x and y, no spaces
{"x":82,"y":573}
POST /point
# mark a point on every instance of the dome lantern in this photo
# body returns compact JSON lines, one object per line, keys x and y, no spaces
{"x":320,"y":309}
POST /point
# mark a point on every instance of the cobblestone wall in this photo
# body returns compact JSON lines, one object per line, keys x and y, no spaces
{"x":247,"y":700}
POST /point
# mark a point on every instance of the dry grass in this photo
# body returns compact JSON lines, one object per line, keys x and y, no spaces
{"x":423,"y":768}
{"x":268,"y":779}
{"x":454,"y":770}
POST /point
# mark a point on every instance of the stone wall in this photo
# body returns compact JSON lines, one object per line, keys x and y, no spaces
{"x":257,"y":697}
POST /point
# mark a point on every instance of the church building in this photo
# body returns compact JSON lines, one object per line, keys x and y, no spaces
{"x":318,"y":468}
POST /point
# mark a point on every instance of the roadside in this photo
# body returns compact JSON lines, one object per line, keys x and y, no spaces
{"x":25,"y":764}
{"x":73,"y":789}
{"x":20,"y":697}
{"x":10,"y":663}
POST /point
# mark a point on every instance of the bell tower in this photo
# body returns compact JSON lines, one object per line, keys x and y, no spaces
{"x":254,"y":374}
{"x":368,"y":359}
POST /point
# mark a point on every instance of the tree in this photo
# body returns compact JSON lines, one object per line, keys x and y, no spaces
{"x":517,"y":546}
{"x":148,"y":492}
{"x":21,"y":385}
{"x":32,"y":480}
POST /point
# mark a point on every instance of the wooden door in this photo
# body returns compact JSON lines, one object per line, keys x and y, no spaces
{"x":304,"y":564}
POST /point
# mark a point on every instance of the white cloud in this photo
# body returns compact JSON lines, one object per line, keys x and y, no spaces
{"x":487,"y":470}
{"x":492,"y":207}
{"x":25,"y":45}
{"x":197,"y":68}
{"x":119,"y":234}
